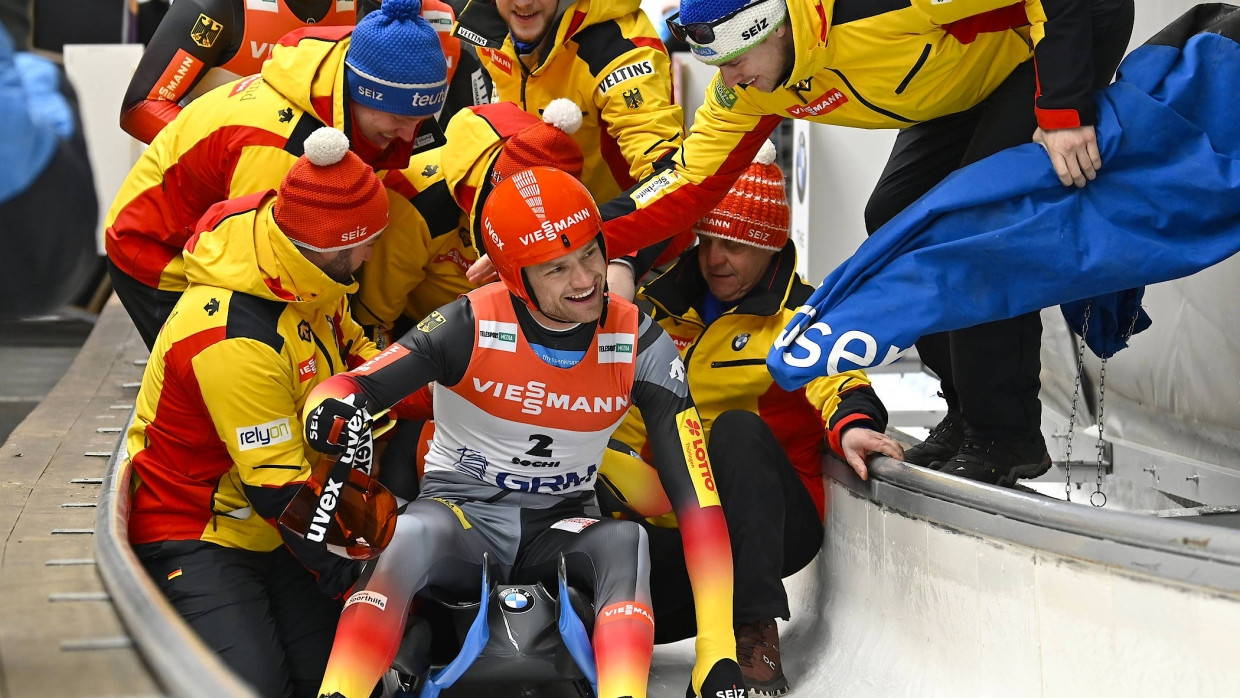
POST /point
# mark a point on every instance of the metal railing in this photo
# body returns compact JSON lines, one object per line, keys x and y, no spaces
{"x":182,"y":664}
{"x":1192,"y":553}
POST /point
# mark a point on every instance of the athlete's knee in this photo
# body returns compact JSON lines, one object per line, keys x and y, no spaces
{"x":427,"y":524}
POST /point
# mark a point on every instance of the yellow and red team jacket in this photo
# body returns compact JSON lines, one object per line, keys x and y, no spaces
{"x":238,"y":139}
{"x":233,"y":39}
{"x":419,"y":262}
{"x":725,"y":365}
{"x":607,"y":58}
{"x":216,"y":444}
{"x":867,"y":65}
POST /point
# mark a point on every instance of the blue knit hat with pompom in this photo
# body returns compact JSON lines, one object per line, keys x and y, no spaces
{"x":395,"y":62}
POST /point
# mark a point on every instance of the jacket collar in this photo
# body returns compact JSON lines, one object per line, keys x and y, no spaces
{"x":810,"y":24}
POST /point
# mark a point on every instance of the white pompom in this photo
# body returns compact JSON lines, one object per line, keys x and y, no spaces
{"x":326,"y":146}
{"x":563,"y":114}
{"x":766,"y":154}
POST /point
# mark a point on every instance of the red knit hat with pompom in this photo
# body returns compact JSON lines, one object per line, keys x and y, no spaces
{"x":548,"y":143}
{"x":330,"y":200}
{"x":755,"y":210}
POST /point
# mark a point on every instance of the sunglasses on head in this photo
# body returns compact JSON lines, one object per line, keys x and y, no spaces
{"x":701,"y":33}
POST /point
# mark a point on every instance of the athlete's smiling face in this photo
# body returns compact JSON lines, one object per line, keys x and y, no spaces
{"x":527,"y":20}
{"x":569,"y":289}
{"x":764,"y":67}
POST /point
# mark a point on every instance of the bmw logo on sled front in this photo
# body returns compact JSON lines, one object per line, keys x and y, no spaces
{"x":516,"y":600}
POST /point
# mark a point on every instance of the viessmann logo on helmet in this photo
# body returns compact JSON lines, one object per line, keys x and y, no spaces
{"x":549,"y":230}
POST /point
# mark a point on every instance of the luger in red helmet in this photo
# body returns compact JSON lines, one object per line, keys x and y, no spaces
{"x":535,"y":216}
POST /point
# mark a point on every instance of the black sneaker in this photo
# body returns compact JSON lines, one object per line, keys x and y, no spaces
{"x":1000,"y":462}
{"x":943,"y":442}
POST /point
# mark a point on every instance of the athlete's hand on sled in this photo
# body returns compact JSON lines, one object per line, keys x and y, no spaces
{"x":482,"y":271}
{"x":723,"y":681}
{"x":859,"y":443}
{"x":333,"y":424}
{"x":1073,"y":152}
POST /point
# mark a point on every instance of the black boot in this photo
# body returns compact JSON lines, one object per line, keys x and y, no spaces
{"x":940,"y":445}
{"x":1000,"y":462}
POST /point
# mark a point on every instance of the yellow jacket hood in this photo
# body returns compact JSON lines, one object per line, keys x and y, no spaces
{"x":239,"y":247}
{"x":307,"y":68}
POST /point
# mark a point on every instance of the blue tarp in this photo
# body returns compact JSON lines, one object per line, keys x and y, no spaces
{"x":1003,"y":237}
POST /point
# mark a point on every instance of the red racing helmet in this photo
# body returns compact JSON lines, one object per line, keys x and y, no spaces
{"x":535,"y":216}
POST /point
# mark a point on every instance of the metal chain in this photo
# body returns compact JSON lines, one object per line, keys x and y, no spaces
{"x":1099,"y":498}
{"x":1076,"y":394}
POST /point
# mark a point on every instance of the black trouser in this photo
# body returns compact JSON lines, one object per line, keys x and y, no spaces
{"x":772,"y":523}
{"x":148,"y":307}
{"x":989,"y":372}
{"x":262,"y":613}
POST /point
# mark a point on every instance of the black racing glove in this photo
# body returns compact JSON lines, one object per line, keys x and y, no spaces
{"x":329,"y":425}
{"x":724,"y":680}
{"x":336,"y":581}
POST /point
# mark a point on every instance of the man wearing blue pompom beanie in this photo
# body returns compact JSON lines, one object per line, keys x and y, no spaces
{"x":380,"y":82}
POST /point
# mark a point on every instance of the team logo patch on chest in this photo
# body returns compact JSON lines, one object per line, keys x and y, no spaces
{"x":497,"y":335}
{"x":739,"y":341}
{"x":615,"y":348}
